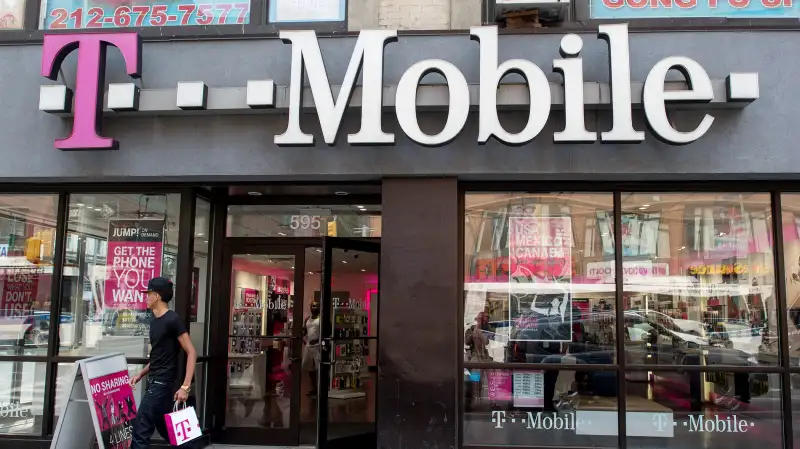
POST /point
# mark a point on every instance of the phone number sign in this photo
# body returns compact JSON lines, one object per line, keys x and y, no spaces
{"x":67,"y":15}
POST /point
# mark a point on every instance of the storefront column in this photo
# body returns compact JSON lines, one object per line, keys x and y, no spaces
{"x":418,"y":339}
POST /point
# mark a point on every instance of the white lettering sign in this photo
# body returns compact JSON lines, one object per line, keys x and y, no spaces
{"x":368,"y":58}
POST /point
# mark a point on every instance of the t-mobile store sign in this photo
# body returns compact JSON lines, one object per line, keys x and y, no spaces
{"x":367,"y":63}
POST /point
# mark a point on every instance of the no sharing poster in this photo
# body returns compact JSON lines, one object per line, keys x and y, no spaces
{"x":135,"y":251}
{"x":540,"y":259}
{"x":115,"y":408}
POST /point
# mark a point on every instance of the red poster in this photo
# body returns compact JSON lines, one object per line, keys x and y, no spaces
{"x":499,"y":384}
{"x":19,"y":292}
{"x":540,"y":248}
{"x":135,"y":250}
{"x":249,"y":297}
{"x":115,"y":408}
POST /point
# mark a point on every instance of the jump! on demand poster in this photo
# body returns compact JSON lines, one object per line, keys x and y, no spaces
{"x":135,"y":251}
{"x":115,"y":408}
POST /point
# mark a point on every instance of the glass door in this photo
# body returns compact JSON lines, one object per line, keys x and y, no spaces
{"x":263,"y":344}
{"x":349,"y":346}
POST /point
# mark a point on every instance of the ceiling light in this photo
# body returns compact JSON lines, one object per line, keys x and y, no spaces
{"x":292,"y":268}
{"x":344,"y":261}
{"x":360,"y":207}
{"x":319,"y":250}
{"x":254,"y":193}
{"x":199,"y":234}
{"x":205,"y":241}
{"x":645,"y":205}
{"x":97,"y":209}
{"x":642,"y":208}
{"x":80,"y":204}
{"x":363,"y":269}
{"x":341,"y":193}
{"x":282,"y":234}
{"x":310,"y":272}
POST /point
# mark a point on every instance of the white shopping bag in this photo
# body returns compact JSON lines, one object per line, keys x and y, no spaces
{"x":182,"y":425}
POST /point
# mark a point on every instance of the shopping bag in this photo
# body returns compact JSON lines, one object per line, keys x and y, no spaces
{"x":182,"y":425}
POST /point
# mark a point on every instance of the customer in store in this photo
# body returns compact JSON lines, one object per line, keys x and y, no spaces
{"x":311,"y":331}
{"x":168,"y":336}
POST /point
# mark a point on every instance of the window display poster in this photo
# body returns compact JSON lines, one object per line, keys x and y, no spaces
{"x":135,"y":250}
{"x":19,"y":290}
{"x":11,"y":14}
{"x":499,"y":384}
{"x":195,"y":294}
{"x":528,"y":388}
{"x":249,"y":297}
{"x":540,"y":248}
{"x":115,"y":14}
{"x":115,"y":408}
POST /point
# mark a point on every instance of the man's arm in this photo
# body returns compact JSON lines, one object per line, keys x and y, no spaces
{"x":135,"y":379}
{"x":191,"y":357}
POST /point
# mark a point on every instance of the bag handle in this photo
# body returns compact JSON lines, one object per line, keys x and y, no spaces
{"x":176,"y":406}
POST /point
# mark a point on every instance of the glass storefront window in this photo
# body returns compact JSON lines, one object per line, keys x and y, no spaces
{"x":27,"y":231}
{"x":707,"y":410}
{"x":538,"y":285}
{"x":790,"y":203}
{"x":198,"y":313}
{"x":559,"y":408}
{"x":357,"y":220}
{"x":699,"y":279}
{"x":22,"y":391}
{"x":116,"y":243}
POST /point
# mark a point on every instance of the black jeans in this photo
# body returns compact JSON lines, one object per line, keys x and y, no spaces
{"x":156,"y":402}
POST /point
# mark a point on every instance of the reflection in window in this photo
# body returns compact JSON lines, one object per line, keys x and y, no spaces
{"x":712,"y":301}
{"x":199,"y":306}
{"x":706,"y":410}
{"x":539,"y":287}
{"x":116,"y":244}
{"x":27,"y":230}
{"x":22,"y":386}
{"x":304,"y":221}
{"x":791,"y":256}
{"x":559,"y":408}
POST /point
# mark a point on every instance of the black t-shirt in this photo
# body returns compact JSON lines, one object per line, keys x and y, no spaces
{"x":164,"y":333}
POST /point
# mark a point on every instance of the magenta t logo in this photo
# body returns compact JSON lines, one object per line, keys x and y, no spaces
{"x":90,"y":81}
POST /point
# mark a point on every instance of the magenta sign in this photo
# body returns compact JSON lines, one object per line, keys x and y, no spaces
{"x":90,"y":81}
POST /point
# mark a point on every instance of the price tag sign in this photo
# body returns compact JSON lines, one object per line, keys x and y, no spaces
{"x":528,"y":388}
{"x":70,"y":15}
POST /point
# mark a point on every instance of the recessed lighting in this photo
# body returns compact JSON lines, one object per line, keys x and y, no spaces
{"x":97,"y":209}
{"x":254,"y":193}
{"x":282,"y":234}
{"x":645,"y":205}
{"x":205,"y":241}
{"x":344,"y":261}
{"x":360,"y":207}
{"x":80,"y":204}
{"x":319,"y":250}
{"x":292,"y":268}
{"x":341,"y":193}
{"x":200,"y":234}
{"x":642,"y":208}
{"x":363,"y":269}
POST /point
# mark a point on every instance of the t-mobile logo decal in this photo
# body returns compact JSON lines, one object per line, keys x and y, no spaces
{"x":90,"y":81}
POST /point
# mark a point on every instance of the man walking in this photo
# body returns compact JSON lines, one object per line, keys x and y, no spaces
{"x":167,"y":336}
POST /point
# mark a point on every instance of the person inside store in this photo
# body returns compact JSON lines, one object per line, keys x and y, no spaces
{"x":168,"y":336}
{"x":311,"y":333}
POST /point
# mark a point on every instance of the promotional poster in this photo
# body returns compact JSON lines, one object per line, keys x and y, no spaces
{"x":135,"y":250}
{"x":115,"y":408}
{"x":19,"y":290}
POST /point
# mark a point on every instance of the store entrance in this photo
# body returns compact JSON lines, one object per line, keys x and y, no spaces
{"x":301,"y":342}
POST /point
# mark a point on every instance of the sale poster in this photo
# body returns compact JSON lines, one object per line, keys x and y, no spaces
{"x":19,"y":292}
{"x":499,"y":384}
{"x":135,"y":249}
{"x":115,"y":408}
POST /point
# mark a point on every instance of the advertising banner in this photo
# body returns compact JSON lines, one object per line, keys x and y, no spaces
{"x":98,"y":407}
{"x":249,"y":297}
{"x":605,"y":271}
{"x":19,"y":290}
{"x":73,"y":14}
{"x":135,"y":250}
{"x":540,"y":253}
{"x":499,"y":384}
{"x":652,"y":9}
{"x":114,"y":407}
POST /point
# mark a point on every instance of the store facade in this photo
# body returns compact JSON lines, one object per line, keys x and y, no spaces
{"x":458,"y":239}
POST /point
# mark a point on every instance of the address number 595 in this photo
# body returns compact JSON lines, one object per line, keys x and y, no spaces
{"x":305,"y":222}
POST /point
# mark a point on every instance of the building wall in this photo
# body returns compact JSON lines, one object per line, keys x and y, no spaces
{"x":414,"y":14}
{"x":756,"y":142}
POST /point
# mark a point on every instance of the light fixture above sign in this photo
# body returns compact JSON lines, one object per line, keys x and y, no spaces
{"x":456,"y":98}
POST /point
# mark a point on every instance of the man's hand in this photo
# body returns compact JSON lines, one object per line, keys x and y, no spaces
{"x":135,"y":380}
{"x":181,"y":395}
